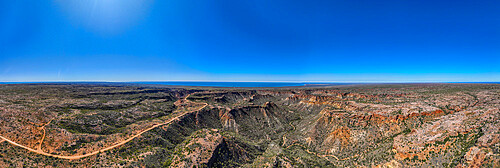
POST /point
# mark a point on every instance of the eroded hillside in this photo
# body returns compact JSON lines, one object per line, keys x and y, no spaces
{"x":109,"y":125}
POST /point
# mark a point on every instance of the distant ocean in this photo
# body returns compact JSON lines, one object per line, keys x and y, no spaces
{"x":232,"y":84}
{"x":180,"y":83}
{"x":216,"y":84}
{"x":262,"y":84}
{"x":185,"y":83}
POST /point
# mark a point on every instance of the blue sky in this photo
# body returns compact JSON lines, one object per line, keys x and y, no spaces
{"x":259,"y":40}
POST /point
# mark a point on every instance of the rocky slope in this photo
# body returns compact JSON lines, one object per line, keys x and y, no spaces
{"x":400,"y":125}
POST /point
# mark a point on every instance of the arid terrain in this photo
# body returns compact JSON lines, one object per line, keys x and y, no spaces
{"x":364,"y":125}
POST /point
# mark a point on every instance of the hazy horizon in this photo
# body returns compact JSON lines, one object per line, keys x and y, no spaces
{"x":194,"y":81}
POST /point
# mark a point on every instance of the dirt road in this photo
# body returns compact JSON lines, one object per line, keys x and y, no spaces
{"x":39,"y":151}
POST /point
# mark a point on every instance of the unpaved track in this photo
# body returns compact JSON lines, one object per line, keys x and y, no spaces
{"x":102,"y":150}
{"x":43,"y":137}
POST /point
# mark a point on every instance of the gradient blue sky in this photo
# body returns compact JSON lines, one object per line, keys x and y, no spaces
{"x":258,"y":40}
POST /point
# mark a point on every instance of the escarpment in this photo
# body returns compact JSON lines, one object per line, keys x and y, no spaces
{"x":396,"y":125}
{"x":257,"y":121}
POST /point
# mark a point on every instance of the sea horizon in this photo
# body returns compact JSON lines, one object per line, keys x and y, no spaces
{"x":236,"y":83}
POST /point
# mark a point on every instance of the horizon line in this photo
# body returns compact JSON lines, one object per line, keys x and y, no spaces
{"x":105,"y":81}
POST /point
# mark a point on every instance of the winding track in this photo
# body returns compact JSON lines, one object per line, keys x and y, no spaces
{"x":39,"y":151}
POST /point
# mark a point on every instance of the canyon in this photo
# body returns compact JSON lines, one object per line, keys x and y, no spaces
{"x":356,"y":125}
